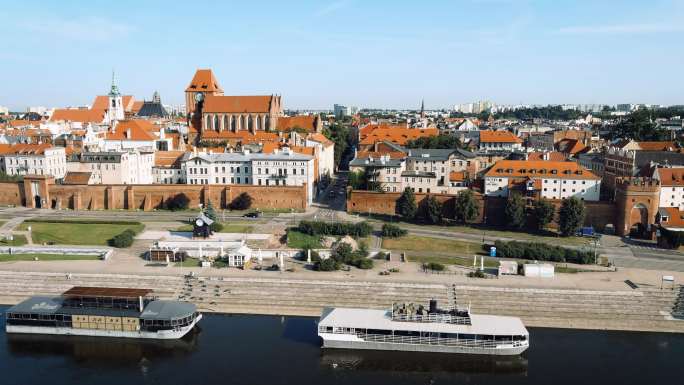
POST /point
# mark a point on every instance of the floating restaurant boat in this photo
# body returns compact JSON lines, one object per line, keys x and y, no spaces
{"x":411,"y":327}
{"x":103,"y":312}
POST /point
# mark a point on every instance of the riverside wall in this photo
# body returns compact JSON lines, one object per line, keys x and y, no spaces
{"x":41,"y":192}
{"x":598,"y":214}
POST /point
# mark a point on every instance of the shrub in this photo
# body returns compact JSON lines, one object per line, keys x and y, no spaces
{"x":125,"y":239}
{"x":381,"y":255}
{"x":327,"y":265}
{"x":241,"y":202}
{"x":209,"y":211}
{"x":392,"y":231}
{"x":432,"y":210}
{"x":406,"y":204}
{"x":365,"y":263}
{"x":315,"y":257}
{"x":476,"y":274}
{"x":360,"y":230}
{"x":434,"y":266}
{"x":542,"y":252}
{"x":178,"y":202}
{"x":216,"y":227}
{"x":342,"y":253}
{"x":571,"y":216}
{"x":82,"y":221}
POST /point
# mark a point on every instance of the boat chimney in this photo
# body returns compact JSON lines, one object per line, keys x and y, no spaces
{"x":433,"y":306}
{"x":140,"y":299}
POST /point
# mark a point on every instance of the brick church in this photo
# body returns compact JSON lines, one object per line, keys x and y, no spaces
{"x":214,"y":115}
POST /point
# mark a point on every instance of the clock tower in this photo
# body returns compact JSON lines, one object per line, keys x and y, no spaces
{"x":115,"y":109}
{"x":203,"y":84}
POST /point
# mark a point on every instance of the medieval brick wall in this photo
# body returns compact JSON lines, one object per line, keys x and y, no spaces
{"x":598,"y":214}
{"x":149,"y":197}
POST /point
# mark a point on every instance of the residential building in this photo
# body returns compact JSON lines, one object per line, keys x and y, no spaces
{"x":499,"y":141}
{"x":671,"y":186}
{"x":33,"y":159}
{"x":167,"y":167}
{"x":341,"y":111}
{"x":115,"y":167}
{"x":284,"y":168}
{"x":546,"y":179}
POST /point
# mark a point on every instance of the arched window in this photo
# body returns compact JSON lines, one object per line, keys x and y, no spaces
{"x":267,"y":127}
{"x":250,"y":122}
{"x":258,"y":123}
{"x":232,"y":123}
{"x":242,"y":122}
{"x":224,"y":122}
{"x":216,"y":123}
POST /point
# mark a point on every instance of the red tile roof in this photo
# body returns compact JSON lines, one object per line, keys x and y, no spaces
{"x":83,"y":116}
{"x":137,"y":130}
{"x":675,"y":217}
{"x":77,"y":177}
{"x":671,"y":176}
{"x":553,"y":155}
{"x":539,"y":169}
{"x":204,"y":81}
{"x":168,"y":158}
{"x":657,"y":146}
{"x":395,"y":134}
{"x":237,"y":104}
{"x":306,"y":122}
{"x":487,"y":136}
{"x":24,"y":149}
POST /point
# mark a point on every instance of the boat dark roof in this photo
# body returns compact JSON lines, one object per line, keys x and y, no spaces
{"x":114,"y":292}
{"x":37,"y":305}
{"x":165,"y":310}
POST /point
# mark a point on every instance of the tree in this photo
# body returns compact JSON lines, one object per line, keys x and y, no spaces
{"x":406,"y":204}
{"x":515,"y":211}
{"x":571,"y":216}
{"x":543,"y":212}
{"x":639,"y":125}
{"x":209,"y":211}
{"x":241,"y":202}
{"x":392,"y":231}
{"x":466,"y":207}
{"x":433,"y":210}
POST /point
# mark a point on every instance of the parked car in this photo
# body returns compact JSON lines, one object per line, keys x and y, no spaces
{"x":253,"y":214}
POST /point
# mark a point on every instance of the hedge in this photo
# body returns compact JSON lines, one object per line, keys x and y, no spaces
{"x":362,"y":229}
{"x":541,"y":252}
{"x":392,"y":231}
{"x":82,"y":221}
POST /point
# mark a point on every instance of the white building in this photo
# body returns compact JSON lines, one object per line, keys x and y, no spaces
{"x":544,"y":178}
{"x":499,"y":141}
{"x":671,"y":186}
{"x":283,"y":168}
{"x":115,"y":167}
{"x":326,"y":153}
{"x":4,"y":110}
{"x":35,"y":159}
{"x":167,"y":167}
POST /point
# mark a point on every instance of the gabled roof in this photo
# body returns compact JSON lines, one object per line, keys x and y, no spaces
{"x":83,"y":116}
{"x":204,"y":81}
{"x":101,"y":102}
{"x":320,"y":138}
{"x":487,"y":136}
{"x":670,"y":176}
{"x":306,"y":122}
{"x":552,"y":155}
{"x":398,"y":136}
{"x":658,"y":146}
{"x":170,"y":159}
{"x":675,"y":217}
{"x":24,"y":149}
{"x":136,"y":130}
{"x":539,"y":169}
{"x":77,"y":177}
{"x":457,"y":176}
{"x":237,"y":104}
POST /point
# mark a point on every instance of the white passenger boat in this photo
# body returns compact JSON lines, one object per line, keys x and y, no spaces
{"x":410,"y":327}
{"x":103,"y":312}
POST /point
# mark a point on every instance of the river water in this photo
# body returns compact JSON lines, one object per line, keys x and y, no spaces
{"x":285,"y":350}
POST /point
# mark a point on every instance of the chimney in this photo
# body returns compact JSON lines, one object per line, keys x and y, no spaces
{"x":545,"y":156}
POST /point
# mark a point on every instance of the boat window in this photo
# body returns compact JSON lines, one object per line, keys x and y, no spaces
{"x":408,"y":333}
{"x":466,"y":336}
{"x":504,"y":338}
{"x":379,"y":331}
{"x":328,"y":329}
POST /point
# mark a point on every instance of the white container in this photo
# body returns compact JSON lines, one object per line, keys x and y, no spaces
{"x":508,"y":267}
{"x":541,"y":270}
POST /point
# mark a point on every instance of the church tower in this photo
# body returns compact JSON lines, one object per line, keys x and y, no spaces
{"x":115,"y":110}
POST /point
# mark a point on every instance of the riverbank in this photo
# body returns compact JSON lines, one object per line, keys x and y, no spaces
{"x":642,"y":309}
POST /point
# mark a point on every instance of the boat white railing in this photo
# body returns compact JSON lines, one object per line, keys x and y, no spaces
{"x":434,"y":318}
{"x":416,"y":340}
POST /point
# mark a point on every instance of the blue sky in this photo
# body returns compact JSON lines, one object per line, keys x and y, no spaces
{"x":355,"y":52}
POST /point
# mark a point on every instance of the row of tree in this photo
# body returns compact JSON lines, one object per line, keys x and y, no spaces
{"x":570,"y":214}
{"x":466,"y":209}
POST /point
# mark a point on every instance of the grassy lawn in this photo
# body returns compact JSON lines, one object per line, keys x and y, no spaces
{"x":227,"y":228}
{"x":47,"y":257}
{"x":70,"y":233}
{"x":19,"y":240}
{"x":297,"y":240}
{"x":446,"y":260}
{"x":494,"y":232}
{"x":425,"y":245}
{"x":189,"y":262}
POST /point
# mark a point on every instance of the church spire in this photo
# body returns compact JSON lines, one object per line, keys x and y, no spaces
{"x":114,"y":91}
{"x":422,"y":108}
